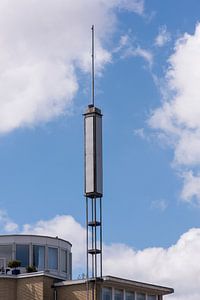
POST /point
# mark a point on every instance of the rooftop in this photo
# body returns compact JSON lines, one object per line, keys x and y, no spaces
{"x":121,"y":282}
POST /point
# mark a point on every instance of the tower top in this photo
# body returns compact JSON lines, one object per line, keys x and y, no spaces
{"x":92,"y":110}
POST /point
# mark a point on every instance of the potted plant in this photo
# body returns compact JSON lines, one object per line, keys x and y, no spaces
{"x":14,"y":264}
{"x":31,"y":269}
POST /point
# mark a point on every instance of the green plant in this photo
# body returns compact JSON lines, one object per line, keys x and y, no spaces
{"x":31,"y":269}
{"x":14,"y":264}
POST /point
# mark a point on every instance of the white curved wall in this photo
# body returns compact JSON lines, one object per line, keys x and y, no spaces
{"x":48,"y":254}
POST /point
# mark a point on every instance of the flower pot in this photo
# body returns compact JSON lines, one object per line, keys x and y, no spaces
{"x":16,"y":272}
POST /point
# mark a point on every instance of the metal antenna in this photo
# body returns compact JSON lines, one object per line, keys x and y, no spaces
{"x":92,"y":64}
{"x":93,"y":190}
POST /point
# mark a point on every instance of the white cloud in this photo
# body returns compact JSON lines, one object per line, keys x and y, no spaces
{"x":163,"y":37}
{"x":138,"y":51}
{"x":178,"y":117}
{"x":7,"y":224}
{"x":191,"y":188}
{"x":42,"y":44}
{"x":136,"y":6}
{"x":175,"y":266}
{"x":124,"y":42}
{"x":161,"y":204}
{"x":146,"y":54}
{"x":128,"y":47}
{"x":140,"y":133}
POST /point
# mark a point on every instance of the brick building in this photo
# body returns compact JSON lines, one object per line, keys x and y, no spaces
{"x":51,"y":279}
{"x":43,"y":286}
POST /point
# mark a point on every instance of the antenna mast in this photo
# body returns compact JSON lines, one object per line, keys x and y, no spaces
{"x":93,"y":184}
{"x":93,"y":65}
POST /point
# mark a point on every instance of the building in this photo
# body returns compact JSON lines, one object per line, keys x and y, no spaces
{"x":44,"y":286}
{"x":39,"y":253}
{"x":51,"y":258}
{"x":110,"y":288}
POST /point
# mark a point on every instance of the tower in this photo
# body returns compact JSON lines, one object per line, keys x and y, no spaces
{"x":93,"y":190}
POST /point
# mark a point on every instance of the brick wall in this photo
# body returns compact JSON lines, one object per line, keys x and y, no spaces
{"x":8,"y":289}
{"x":30,"y":288}
{"x":48,"y":290}
{"x":74,"y":292}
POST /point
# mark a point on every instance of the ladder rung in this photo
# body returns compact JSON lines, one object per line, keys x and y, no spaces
{"x":94,"y":251}
{"x":94,"y":223}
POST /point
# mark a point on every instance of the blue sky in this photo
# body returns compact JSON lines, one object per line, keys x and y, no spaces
{"x":147,"y":85}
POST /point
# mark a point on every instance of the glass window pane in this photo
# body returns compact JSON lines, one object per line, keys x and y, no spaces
{"x":52,"y":258}
{"x":106,"y":294}
{"x":64,"y":261}
{"x":5,"y":255}
{"x":38,"y":257}
{"x":118,"y":295}
{"x":130,"y":296}
{"x":151,"y":297}
{"x":140,"y":296}
{"x":22,"y":254}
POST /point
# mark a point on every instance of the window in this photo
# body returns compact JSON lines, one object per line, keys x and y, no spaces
{"x":5,"y":254}
{"x":106,"y":294}
{"x":22,"y":254}
{"x":38,"y":257}
{"x":52,"y":258}
{"x":130,"y":296}
{"x":64,"y":261}
{"x":140,"y":296}
{"x":118,"y":295}
{"x":151,"y":297}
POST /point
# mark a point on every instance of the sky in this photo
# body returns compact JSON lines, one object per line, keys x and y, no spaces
{"x":147,"y":57}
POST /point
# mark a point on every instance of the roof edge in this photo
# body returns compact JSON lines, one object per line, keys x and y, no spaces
{"x":36,"y":235}
{"x":117,"y":280}
{"x":164,"y":289}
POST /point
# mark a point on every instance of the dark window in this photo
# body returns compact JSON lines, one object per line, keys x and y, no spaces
{"x":6,"y":252}
{"x":106,"y":294}
{"x":140,"y":296}
{"x":22,"y":254}
{"x":52,"y":258}
{"x":118,"y":295}
{"x":64,"y":261}
{"x":38,"y":257}
{"x":130,"y":296}
{"x":151,"y":297}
